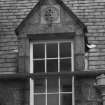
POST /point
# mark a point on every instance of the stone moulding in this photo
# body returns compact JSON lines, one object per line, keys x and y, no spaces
{"x":89,"y":73}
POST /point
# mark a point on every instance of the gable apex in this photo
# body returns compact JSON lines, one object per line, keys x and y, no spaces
{"x":61,"y":3}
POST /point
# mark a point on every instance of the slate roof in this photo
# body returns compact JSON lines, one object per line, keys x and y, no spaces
{"x":12,"y":13}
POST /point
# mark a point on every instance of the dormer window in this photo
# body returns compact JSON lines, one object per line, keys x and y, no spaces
{"x":51,"y":57}
{"x":51,"y":52}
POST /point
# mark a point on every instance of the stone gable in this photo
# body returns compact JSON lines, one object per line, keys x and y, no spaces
{"x":67,"y":20}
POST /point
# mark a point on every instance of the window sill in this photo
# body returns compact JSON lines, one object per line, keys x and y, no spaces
{"x":88,"y":73}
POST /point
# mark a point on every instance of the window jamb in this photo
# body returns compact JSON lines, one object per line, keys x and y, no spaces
{"x":31,"y":80}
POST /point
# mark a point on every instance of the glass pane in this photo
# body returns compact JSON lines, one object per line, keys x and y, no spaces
{"x":65,"y":49}
{"x":52,"y":85}
{"x":38,"y":51}
{"x":65,"y":65}
{"x":66,"y":85}
{"x":52,"y":50}
{"x":39,"y":99}
{"x":39,"y":85}
{"x":39,"y":66}
{"x":52,"y":65}
{"x":66,"y":99}
{"x":52,"y":99}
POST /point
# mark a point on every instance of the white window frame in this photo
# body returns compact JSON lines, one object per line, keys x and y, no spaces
{"x":31,"y":100}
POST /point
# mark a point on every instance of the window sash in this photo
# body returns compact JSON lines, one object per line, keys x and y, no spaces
{"x":55,"y":58}
{"x":32,"y":94}
{"x":58,"y":58}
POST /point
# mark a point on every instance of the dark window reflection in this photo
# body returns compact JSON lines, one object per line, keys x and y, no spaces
{"x":39,"y":99}
{"x":39,"y":66}
{"x":52,"y":65}
{"x":66,"y":99}
{"x":66,"y":85}
{"x":38,"y":51}
{"x":52,"y":84}
{"x":53,"y":99}
{"x":65,"y":65}
{"x":39,"y":85}
{"x":65,"y":50}
{"x":52,"y":50}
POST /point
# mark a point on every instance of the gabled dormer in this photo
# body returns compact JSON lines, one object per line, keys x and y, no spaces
{"x":51,"y":20}
{"x":52,"y":48}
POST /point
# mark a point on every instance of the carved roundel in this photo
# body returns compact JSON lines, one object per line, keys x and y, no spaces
{"x":50,"y":14}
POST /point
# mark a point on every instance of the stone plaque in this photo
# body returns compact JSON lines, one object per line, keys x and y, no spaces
{"x":50,"y":14}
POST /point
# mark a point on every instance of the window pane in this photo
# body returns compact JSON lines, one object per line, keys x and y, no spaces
{"x":52,"y":84}
{"x":39,"y":66}
{"x":52,"y":50}
{"x":39,"y":99}
{"x":66,"y":85}
{"x":38,"y":51}
{"x":52,"y":99}
{"x":52,"y":65}
{"x":65,"y":49}
{"x":39,"y":85}
{"x":65,"y":65}
{"x":66,"y":99}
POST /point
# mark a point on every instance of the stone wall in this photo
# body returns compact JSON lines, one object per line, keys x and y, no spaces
{"x":14,"y":92}
{"x":86,"y":93}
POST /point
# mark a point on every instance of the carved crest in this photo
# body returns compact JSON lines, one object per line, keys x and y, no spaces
{"x":50,"y":14}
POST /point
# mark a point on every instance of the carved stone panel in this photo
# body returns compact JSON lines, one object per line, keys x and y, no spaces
{"x":50,"y":14}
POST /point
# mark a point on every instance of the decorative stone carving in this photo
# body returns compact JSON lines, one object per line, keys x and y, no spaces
{"x":50,"y":14}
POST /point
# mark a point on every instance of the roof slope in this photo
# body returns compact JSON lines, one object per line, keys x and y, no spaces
{"x":12,"y":12}
{"x":90,"y":12}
